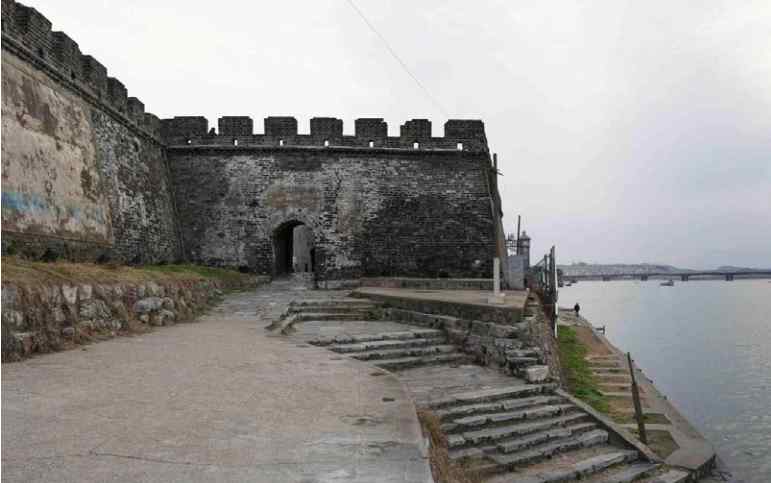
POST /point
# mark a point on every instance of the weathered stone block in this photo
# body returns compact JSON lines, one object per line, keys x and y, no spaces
{"x":536,"y":373}
{"x":13,"y":318}
{"x":70,"y":294}
{"x":85,"y":292}
{"x":167,"y":303}
{"x":149,"y":304}
{"x":497,"y":330}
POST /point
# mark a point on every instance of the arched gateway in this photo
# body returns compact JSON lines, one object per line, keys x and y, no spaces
{"x":293,"y":248}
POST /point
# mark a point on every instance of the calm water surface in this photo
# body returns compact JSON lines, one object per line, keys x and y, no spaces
{"x":707,"y":346}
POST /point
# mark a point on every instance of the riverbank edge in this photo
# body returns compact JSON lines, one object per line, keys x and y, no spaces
{"x":695,"y":453}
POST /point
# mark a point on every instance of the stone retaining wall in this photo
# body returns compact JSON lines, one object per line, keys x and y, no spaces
{"x":45,"y":318}
{"x":507,"y":347}
{"x":504,"y":315}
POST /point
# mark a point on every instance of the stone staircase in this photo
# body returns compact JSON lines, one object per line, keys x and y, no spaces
{"x":500,"y":429}
{"x":612,"y":373}
{"x":333,"y":309}
{"x":396,"y":351}
{"x":506,"y":434}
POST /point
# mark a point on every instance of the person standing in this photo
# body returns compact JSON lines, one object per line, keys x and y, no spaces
{"x":577,"y":308}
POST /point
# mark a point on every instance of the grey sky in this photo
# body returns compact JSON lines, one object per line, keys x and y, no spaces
{"x":626,"y":131}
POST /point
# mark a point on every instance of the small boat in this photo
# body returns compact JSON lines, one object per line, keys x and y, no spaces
{"x":668,"y":283}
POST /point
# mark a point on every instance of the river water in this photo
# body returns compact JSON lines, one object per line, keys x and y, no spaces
{"x":707,"y":346}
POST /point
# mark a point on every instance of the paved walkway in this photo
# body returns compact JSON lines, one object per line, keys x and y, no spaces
{"x":216,"y":400}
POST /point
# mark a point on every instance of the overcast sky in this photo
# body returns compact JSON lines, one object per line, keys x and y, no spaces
{"x":626,"y":131}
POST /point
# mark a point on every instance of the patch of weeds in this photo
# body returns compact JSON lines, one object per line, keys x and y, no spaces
{"x":443,"y":468}
{"x":203,"y":271}
{"x":580,"y":380}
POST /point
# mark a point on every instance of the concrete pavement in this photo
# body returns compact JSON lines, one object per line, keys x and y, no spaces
{"x":215,"y":400}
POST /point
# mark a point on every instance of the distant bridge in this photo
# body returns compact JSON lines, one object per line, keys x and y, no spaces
{"x":684,"y":276}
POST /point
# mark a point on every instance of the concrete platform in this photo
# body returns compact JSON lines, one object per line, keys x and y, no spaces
{"x":514,"y":299}
{"x":465,"y":304}
{"x":216,"y":400}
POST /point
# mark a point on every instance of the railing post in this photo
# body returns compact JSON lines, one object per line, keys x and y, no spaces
{"x":637,"y":406}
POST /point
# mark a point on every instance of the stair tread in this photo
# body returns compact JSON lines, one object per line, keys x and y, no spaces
{"x":625,"y":474}
{"x":502,"y":404}
{"x":406,"y":352}
{"x":621,"y":377}
{"x":594,"y":437}
{"x":385,"y":344}
{"x":396,"y":335}
{"x":581,"y":469}
{"x":331,"y":314}
{"x":421,"y":360}
{"x":502,"y":432}
{"x":538,"y":437}
{"x":671,"y":476}
{"x":528,"y":413}
{"x":492,"y":394}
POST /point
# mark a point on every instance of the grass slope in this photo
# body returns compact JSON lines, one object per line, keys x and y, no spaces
{"x":25,"y":272}
{"x":580,"y":380}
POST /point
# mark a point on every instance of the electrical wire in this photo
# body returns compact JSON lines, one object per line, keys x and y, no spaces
{"x":399,"y":60}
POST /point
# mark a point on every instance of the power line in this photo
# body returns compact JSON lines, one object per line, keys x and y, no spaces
{"x":399,"y":60}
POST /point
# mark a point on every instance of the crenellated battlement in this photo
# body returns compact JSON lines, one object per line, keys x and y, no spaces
{"x":237,"y":131}
{"x":28,"y":32}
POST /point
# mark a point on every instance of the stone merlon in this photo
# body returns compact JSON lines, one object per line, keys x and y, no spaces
{"x":459,"y":134}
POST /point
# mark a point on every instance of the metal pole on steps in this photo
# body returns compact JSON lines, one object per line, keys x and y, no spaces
{"x":638,"y":413}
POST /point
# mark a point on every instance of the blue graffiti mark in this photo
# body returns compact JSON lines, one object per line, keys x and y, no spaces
{"x":30,"y":204}
{"x":23,"y":202}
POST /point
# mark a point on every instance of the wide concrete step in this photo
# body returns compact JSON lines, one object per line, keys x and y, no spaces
{"x":613,"y":377}
{"x":477,"y":421}
{"x":404,"y":352}
{"x":324,"y":316}
{"x":342,"y":304}
{"x":609,"y":370}
{"x":495,"y":406}
{"x":497,"y":434}
{"x":615,"y":386}
{"x":526,"y":352}
{"x":670,"y":476}
{"x":625,"y":473}
{"x":519,"y":444}
{"x":387,"y":344}
{"x":582,"y":469}
{"x":511,"y":461}
{"x":617,"y":394}
{"x":432,"y":360}
{"x":603,"y":358}
{"x":331,"y":310}
{"x":605,"y":364}
{"x":491,"y":395}
{"x":524,"y":361}
{"x":358,"y":338}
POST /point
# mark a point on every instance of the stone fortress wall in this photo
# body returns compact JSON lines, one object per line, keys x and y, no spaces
{"x":87,"y":173}
{"x":84,"y":169}
{"x":389,"y":209}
